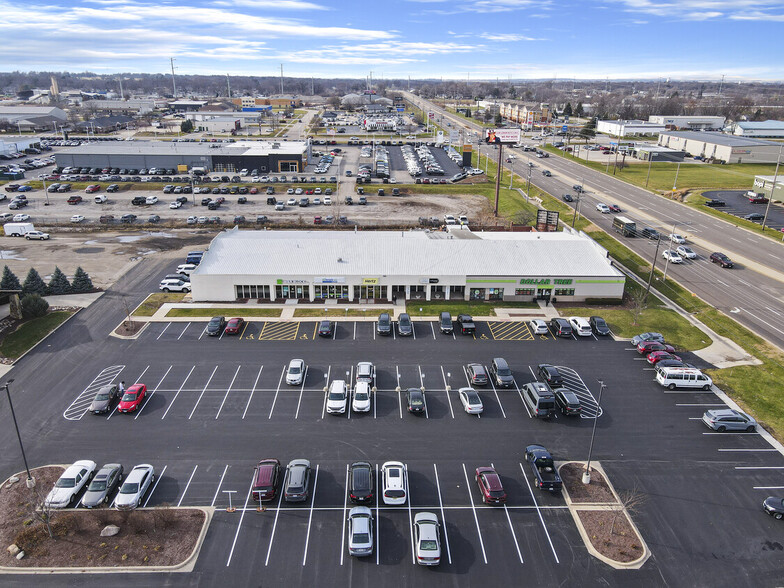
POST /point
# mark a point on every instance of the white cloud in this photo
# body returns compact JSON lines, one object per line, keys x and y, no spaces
{"x":507,"y":37}
{"x":705,"y":9}
{"x":272,"y":4}
{"x":486,"y":6}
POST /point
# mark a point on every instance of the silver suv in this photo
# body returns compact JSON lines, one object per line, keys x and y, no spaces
{"x":297,"y":481}
{"x":727,"y":419}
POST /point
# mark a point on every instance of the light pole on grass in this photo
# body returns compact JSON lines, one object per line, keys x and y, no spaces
{"x":587,"y":472}
{"x":30,"y":479}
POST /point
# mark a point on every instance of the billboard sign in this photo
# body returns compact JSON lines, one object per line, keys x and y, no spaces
{"x":502,"y":136}
{"x":431,"y":115}
{"x":547,"y":221}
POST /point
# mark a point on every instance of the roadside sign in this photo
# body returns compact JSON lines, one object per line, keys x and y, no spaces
{"x":431,"y":115}
{"x":502,"y":136}
{"x":565,"y":128}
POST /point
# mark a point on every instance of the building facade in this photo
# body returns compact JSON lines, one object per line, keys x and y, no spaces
{"x":720,"y":147}
{"x":625,"y":128}
{"x":689,"y":123}
{"x":771,"y":129}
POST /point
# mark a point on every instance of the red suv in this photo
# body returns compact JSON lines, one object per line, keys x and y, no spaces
{"x":490,"y":486}
{"x":265,"y":480}
{"x":132,"y":398}
{"x":74,"y":200}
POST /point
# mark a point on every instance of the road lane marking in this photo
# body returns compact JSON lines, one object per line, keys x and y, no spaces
{"x":345,"y":506}
{"x":187,"y":485}
{"x":252,"y":391}
{"x":275,"y":524}
{"x":539,"y":512}
{"x":220,"y":483}
{"x":155,"y":485}
{"x":202,"y":392}
{"x":183,"y":331}
{"x":162,"y":332}
{"x":476,"y":519}
{"x":178,"y":393}
{"x":446,"y":390}
{"x":239,"y":525}
{"x":310,"y":516}
{"x":277,"y":390}
{"x":227,"y":392}
{"x":443,"y":517}
{"x":301,"y":390}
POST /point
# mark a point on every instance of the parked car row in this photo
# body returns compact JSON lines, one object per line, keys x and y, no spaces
{"x":105,"y":486}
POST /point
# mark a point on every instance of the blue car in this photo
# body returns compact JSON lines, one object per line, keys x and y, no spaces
{"x":24,"y":188}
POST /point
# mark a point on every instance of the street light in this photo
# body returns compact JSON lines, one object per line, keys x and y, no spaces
{"x":587,"y":472}
{"x":772,"y":188}
{"x":675,"y":182}
{"x":672,"y":234}
{"x":30,"y":479}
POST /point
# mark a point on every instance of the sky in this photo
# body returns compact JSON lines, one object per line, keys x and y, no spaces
{"x":449,"y":39}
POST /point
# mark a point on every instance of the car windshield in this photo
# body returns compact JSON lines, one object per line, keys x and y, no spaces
{"x":129,"y":488}
{"x":102,"y":396}
{"x":294,"y":370}
{"x":415,"y":401}
{"x":473,"y":398}
{"x":686,"y":250}
{"x":97,"y":486}
{"x":66,"y":483}
{"x":361,"y":538}
{"x":428,"y":545}
{"x":504,"y":372}
{"x":336,"y":396}
{"x":129,"y":397}
{"x":361,"y":396}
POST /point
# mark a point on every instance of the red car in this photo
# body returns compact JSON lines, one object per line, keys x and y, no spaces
{"x":657,"y":356}
{"x":646,"y":347}
{"x":132,"y":399}
{"x":614,"y":208}
{"x":74,"y":200}
{"x":92,"y":188}
{"x":254,"y":190}
{"x":490,"y":486}
{"x":234,"y":326}
{"x":309,"y":191}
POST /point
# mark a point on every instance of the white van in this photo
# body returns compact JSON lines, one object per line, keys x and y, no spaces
{"x":682,"y":377}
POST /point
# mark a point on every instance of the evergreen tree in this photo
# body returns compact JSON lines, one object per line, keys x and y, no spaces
{"x":9,"y":280}
{"x":589,"y":130}
{"x":568,"y":109}
{"x":186,"y":126}
{"x":33,"y":306}
{"x":33,"y":283}
{"x":578,"y":111}
{"x":81,"y":282}
{"x":59,"y":284}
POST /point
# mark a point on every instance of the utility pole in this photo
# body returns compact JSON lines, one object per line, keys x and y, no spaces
{"x":174,"y":82}
{"x":122,"y":96}
{"x":721,"y":84}
{"x":228,"y":86}
{"x":281,"y":79}
{"x":772,"y":188}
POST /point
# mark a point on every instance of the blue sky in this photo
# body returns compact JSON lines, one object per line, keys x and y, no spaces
{"x":453,"y":39}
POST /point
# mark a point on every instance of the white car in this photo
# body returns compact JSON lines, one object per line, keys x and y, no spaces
{"x":151,"y":200}
{"x":470,"y":400}
{"x":21,"y":217}
{"x":686,"y":252}
{"x":77,"y":218}
{"x":336,"y":399}
{"x":449,"y":219}
{"x":538,"y":327}
{"x":361,"y":400}
{"x":672,"y":256}
{"x":174,"y":285}
{"x":327,"y":201}
{"x":39,"y":235}
{"x":134,"y":487}
{"x":290,"y":191}
{"x":295,"y":372}
{"x":603,"y":208}
{"x":255,"y":179}
{"x":365,"y":372}
{"x":264,"y":179}
{"x":463,"y":219}
{"x":243,"y":172}
{"x":580,"y":326}
{"x":393,"y":475}
{"x":186,"y":268}
{"x":175,"y":204}
{"x":70,"y":483}
{"x":427,"y":539}
{"x":360,"y":531}
{"x":316,"y":201}
{"x":291,"y":202}
{"x":676,"y":238}
{"x":299,"y":191}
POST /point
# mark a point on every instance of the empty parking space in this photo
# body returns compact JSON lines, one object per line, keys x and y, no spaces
{"x":510,"y":331}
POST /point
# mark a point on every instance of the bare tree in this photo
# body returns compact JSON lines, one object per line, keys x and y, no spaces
{"x":631,"y":501}
{"x":637,"y":302}
{"x":41,"y":511}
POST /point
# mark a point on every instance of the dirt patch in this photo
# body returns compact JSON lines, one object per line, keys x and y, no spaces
{"x":155,"y":537}
{"x":129,"y":328}
{"x":597,"y":491}
{"x":619,"y":541}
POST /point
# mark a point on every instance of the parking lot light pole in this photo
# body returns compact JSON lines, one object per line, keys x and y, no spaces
{"x":30,"y":479}
{"x":675,"y":182}
{"x":587,"y":472}
{"x":772,"y":188}
{"x":667,"y":261}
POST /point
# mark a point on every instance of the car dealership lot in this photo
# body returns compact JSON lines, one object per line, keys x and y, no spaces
{"x":215,"y":406}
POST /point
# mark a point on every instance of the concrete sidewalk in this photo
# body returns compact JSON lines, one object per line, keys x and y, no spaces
{"x":77,"y":300}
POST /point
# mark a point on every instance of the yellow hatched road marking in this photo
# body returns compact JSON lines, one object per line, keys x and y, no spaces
{"x":284,"y":331}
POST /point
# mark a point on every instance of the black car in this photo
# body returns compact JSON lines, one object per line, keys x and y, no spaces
{"x":550,"y":375}
{"x":404,"y":326}
{"x":598,"y":326}
{"x":415,"y":400}
{"x":325,"y":328}
{"x":715,"y":202}
{"x":112,"y":188}
{"x":360,"y":482}
{"x":567,"y":402}
{"x":384,"y":325}
{"x":445,"y":323}
{"x":561,"y":327}
{"x":501,"y":373}
{"x":242,"y":200}
{"x":568,"y":198}
{"x":755,"y":216}
{"x":102,"y":486}
{"x":138,"y":200}
{"x":216,"y":325}
{"x":774,"y":506}
{"x":128,"y":218}
{"x":721,"y":259}
{"x":650,"y":233}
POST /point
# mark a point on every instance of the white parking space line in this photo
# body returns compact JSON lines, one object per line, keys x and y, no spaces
{"x":163,"y":471}
{"x":476,"y":519}
{"x":251,"y":392}
{"x":162,"y":332}
{"x":301,"y":390}
{"x":768,"y":487}
{"x":239,"y":525}
{"x":275,"y":524}
{"x":220,"y":483}
{"x":345,"y":516}
{"x":519,"y":393}
{"x":148,"y":398}
{"x":202,"y":392}
{"x":136,"y":382}
{"x":349,"y":392}
{"x":374,"y":330}
{"x":511,"y":528}
{"x":759,"y":467}
{"x":326,"y":393}
{"x":443,"y":517}
{"x":433,"y":330}
{"x":282,"y":373}
{"x":422,"y":385}
{"x":539,"y":512}
{"x":204,"y":330}
{"x":378,"y":500}
{"x":501,"y":406}
{"x":375,"y":388}
{"x":178,"y":393}
{"x":355,"y":330}
{"x":750,"y":450}
{"x":310,"y":516}
{"x":410,"y":518}
{"x":413,"y":330}
{"x":187,"y":485}
{"x":183,"y":331}
{"x":335,"y":330}
{"x":399,"y":399}
{"x":78,"y":408}
{"x":223,"y":332}
{"x":227,"y":392}
{"x":446,"y":390}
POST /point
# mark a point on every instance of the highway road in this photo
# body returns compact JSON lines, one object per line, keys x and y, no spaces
{"x":752,"y":292}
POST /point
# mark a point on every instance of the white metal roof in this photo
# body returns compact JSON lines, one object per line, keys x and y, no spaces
{"x":415,"y":253}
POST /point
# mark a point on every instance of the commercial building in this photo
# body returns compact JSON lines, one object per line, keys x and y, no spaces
{"x":387,"y":265}
{"x":136,"y":105}
{"x":265,"y":156}
{"x":765,"y":185}
{"x":528,"y":116}
{"x":771,"y":129}
{"x":219,"y":124}
{"x":719,"y":147}
{"x":689,"y":123}
{"x":657,"y":153}
{"x":33,"y":118}
{"x":625,"y":128}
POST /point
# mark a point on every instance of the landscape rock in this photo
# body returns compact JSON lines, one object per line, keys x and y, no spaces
{"x":13,"y":479}
{"x":13,"y":549}
{"x":110,"y":531}
{"x":20,"y":555}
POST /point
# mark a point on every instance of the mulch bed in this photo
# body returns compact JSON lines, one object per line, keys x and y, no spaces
{"x":128,"y":329}
{"x":597,"y":491}
{"x":155,"y":537}
{"x":621,"y":545}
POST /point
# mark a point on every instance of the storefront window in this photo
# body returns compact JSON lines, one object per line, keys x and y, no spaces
{"x":252,"y":291}
{"x":564,"y":292}
{"x":495,"y":294}
{"x":477,"y":294}
{"x":524,"y":291}
{"x":292,"y":291}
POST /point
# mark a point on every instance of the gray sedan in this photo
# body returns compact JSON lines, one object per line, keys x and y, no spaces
{"x":105,"y":399}
{"x":103,"y":485}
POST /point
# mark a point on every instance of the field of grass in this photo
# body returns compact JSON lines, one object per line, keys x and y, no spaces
{"x":319,"y":312}
{"x":154,"y":301}
{"x":31,"y":332}
{"x":455,"y":307}
{"x":234,"y":311}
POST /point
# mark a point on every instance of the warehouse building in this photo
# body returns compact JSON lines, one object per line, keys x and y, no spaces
{"x":772,"y":129}
{"x":721,"y":148}
{"x":626,"y":128}
{"x":388,"y":265}
{"x":657,"y":153}
{"x":771,"y":186}
{"x":689,"y":123}
{"x":265,"y":156}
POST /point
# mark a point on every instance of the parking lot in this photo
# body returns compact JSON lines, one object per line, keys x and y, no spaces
{"x":738,"y":205}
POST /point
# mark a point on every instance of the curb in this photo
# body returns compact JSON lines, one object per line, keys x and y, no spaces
{"x":128,"y":337}
{"x":574,"y":508}
{"x":47,"y":335}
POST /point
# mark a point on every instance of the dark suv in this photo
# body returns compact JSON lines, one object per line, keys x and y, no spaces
{"x":360,"y":482}
{"x":561,"y":327}
{"x":550,"y":375}
{"x":567,"y":402}
{"x":721,"y":259}
{"x":445,"y":323}
{"x":476,"y":374}
{"x":384,"y":325}
{"x":502,"y":375}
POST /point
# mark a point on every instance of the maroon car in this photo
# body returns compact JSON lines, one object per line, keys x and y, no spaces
{"x":490,"y":486}
{"x":649,"y":346}
{"x":234,"y":326}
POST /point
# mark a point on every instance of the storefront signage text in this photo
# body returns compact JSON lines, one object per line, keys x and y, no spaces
{"x":540,"y":281}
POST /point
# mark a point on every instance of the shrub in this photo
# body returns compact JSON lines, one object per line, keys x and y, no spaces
{"x":33,"y":306}
{"x":33,"y":283}
{"x":59,"y":284}
{"x":81,"y":282}
{"x":9,"y":280}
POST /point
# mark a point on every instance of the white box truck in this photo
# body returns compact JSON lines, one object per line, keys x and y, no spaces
{"x":17,"y":229}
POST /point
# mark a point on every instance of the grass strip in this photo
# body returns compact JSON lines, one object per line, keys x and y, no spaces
{"x":31,"y":332}
{"x":238,"y":311}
